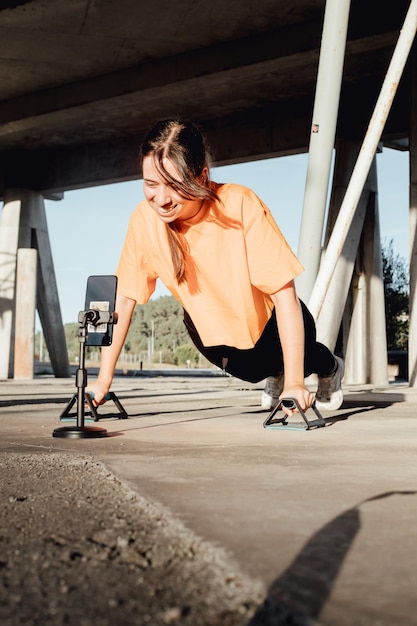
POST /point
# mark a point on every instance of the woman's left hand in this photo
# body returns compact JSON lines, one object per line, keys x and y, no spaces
{"x":300,"y":393}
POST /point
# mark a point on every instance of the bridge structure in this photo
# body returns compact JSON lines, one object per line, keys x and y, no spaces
{"x":83,"y":80}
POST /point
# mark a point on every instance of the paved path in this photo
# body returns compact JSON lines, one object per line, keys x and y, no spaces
{"x":324,"y":520}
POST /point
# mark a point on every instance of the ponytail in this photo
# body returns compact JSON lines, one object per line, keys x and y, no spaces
{"x":178,"y":247}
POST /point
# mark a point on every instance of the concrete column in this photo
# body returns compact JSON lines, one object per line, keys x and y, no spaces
{"x":330,"y":317}
{"x":356,"y":285}
{"x":323,"y":131}
{"x":9,"y":236}
{"x":356,"y":348}
{"x":365,"y":332}
{"x":23,"y":226}
{"x":376,"y":331}
{"x":412,"y":334}
{"x":25,"y":313}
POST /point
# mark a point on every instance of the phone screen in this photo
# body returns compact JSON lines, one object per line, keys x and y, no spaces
{"x":100,"y":295}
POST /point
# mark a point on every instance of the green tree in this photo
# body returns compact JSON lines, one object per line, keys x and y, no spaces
{"x":187,"y":353}
{"x":396,"y":290}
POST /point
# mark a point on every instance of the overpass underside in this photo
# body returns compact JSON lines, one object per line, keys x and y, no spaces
{"x":85,"y":80}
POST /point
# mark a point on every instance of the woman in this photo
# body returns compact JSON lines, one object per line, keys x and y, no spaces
{"x":218,"y":250}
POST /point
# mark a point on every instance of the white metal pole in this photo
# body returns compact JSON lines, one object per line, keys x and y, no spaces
{"x":412,"y":328}
{"x":323,"y":131}
{"x":363,"y":163}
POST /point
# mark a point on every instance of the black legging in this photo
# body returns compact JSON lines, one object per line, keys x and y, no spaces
{"x":265,"y":358}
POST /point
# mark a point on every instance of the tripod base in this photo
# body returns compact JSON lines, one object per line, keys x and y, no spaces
{"x":79,"y":432}
{"x":93,"y":409}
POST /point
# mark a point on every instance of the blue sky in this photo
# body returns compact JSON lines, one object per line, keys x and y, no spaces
{"x":88,"y":226}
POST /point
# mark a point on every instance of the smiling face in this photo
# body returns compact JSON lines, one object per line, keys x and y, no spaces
{"x":167,"y":203}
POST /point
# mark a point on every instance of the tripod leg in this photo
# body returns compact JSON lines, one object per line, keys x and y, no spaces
{"x":67,"y":410}
{"x":80,"y":431}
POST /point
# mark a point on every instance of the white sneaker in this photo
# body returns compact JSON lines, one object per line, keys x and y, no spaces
{"x":329,"y":396}
{"x":273,"y":389}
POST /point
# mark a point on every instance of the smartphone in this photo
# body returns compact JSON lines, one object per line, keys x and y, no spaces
{"x":100,"y":295}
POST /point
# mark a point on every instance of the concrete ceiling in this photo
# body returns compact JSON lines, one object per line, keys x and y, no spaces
{"x":82,"y":79}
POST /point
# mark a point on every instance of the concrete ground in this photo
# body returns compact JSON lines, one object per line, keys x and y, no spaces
{"x":321,"y":522}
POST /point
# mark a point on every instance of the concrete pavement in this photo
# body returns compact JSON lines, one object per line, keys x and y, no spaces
{"x":324,"y":519}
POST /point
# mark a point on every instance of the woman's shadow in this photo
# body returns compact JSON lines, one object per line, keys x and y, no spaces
{"x":298,"y":596}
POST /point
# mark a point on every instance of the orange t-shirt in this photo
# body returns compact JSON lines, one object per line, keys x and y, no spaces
{"x":237,"y":257}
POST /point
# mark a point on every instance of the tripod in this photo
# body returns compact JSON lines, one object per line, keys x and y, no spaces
{"x":90,"y":317}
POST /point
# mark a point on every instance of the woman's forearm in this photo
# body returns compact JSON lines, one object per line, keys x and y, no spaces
{"x":109,"y":354}
{"x":290,"y":324}
{"x":291,"y":331}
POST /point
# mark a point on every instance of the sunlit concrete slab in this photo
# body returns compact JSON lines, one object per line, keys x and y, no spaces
{"x":323,"y":519}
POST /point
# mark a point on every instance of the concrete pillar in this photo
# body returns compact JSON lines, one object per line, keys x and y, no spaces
{"x":356,"y":285}
{"x":323,"y":131}
{"x":9,"y":236}
{"x":354,"y":331}
{"x":25,"y":313}
{"x":376,"y":331}
{"x":331,"y":313}
{"x":412,"y":333}
{"x":23,"y":226}
{"x":364,"y":324}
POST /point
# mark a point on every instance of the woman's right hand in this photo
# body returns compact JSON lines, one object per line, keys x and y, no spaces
{"x":98,"y":391}
{"x":109,"y":354}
